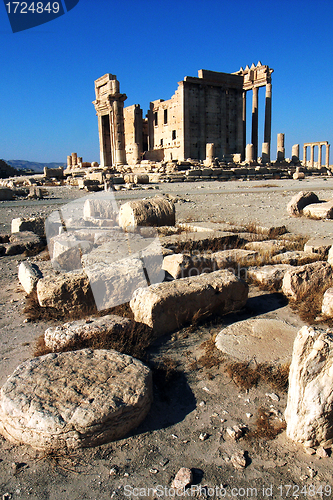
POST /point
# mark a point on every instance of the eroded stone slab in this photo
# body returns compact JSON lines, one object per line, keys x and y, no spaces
{"x":169,"y":305}
{"x":319,"y":210}
{"x":72,"y":333}
{"x":74,"y":399}
{"x":301,"y":281}
{"x":270,"y":277}
{"x":262,"y":340}
{"x":301,"y":200}
{"x":295,"y":258}
{"x":29,"y":274}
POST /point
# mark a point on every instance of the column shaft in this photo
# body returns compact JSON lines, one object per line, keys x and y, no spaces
{"x":319,"y":155}
{"x":312,"y":156}
{"x":244,"y":123}
{"x":268,"y":114}
{"x":254,"y":138}
{"x":304,"y":155}
{"x":327,"y":155}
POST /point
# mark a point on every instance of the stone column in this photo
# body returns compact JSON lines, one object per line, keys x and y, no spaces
{"x":210,"y":151}
{"x":327,"y":155}
{"x":74,"y":159}
{"x":319,"y":154}
{"x":244,"y":123}
{"x":280,"y":147}
{"x":119,"y":131}
{"x":304,"y":155}
{"x":268,"y":113}
{"x":69,"y":161}
{"x":295,"y":153}
{"x":249,"y":153}
{"x":136,"y":156}
{"x":312,"y":156}
{"x":254,"y":137}
{"x":265,"y":155}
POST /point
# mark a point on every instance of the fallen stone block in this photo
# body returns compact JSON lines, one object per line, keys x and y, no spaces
{"x":270,"y":247}
{"x":33,"y":224}
{"x":24,"y":242}
{"x":309,"y":412}
{"x":57,"y":173}
{"x":319,"y":246}
{"x":319,"y":210}
{"x":301,"y":200}
{"x":327,"y":304}
{"x":330,"y":256}
{"x":224,"y":258}
{"x":167,"y":306}
{"x":153,"y":212}
{"x":29,"y":274}
{"x":36,"y":193}
{"x":99,"y":209}
{"x":269,"y":277}
{"x":301,"y":281}
{"x":180,"y":265}
{"x":73,"y":333}
{"x":295,"y":258}
{"x":67,"y":292}
{"x":70,"y":400}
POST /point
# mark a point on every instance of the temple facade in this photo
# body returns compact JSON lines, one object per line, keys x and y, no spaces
{"x":205,"y":118}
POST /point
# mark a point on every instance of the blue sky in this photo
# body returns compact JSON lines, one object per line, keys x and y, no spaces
{"x":48,"y":72}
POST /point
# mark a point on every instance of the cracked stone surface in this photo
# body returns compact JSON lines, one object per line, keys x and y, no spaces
{"x":74,"y":399}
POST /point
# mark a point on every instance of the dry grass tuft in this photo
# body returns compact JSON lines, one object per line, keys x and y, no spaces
{"x":309,"y":307}
{"x":212,"y":356}
{"x":264,"y":427}
{"x":246,"y":377}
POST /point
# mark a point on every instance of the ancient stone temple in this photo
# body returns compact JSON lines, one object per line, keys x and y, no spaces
{"x":203,"y":120}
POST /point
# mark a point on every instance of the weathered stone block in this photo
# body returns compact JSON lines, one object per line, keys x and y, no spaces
{"x":301,"y":281}
{"x":59,"y":337}
{"x":6,"y":194}
{"x":75,"y":399}
{"x":309,"y":412}
{"x":67,"y":292}
{"x":33,"y":224}
{"x":99,"y":209}
{"x":319,"y":210}
{"x":23,"y":242}
{"x":150,"y":212}
{"x":29,"y":274}
{"x":301,"y":200}
{"x":318,"y":245}
{"x":327,"y":304}
{"x":270,"y":277}
{"x":295,"y":258}
{"x":167,"y":306}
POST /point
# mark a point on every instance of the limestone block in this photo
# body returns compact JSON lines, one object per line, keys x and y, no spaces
{"x":319,"y":210}
{"x":270,"y":247}
{"x":270,"y":277}
{"x":66,"y":292}
{"x":223,"y":258}
{"x":99,"y":209}
{"x":74,"y":332}
{"x":262,"y":339}
{"x":301,"y":200}
{"x":34,"y":224}
{"x":156,"y":211}
{"x":167,"y":306}
{"x":309,"y":412}
{"x":28,"y":275}
{"x":298,"y":176}
{"x":65,"y":401}
{"x":141,"y":179}
{"x":180,"y":265}
{"x":327,"y":304}
{"x":23,"y":242}
{"x":301,"y":281}
{"x":295,"y":258}
{"x":319,"y":246}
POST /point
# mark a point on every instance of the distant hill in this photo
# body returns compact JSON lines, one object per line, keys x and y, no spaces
{"x":7,"y":170}
{"x":33,"y":165}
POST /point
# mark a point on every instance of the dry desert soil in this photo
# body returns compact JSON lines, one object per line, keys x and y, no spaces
{"x":193,"y":404}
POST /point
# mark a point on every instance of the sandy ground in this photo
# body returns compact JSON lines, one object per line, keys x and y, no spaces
{"x":197,"y":401}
